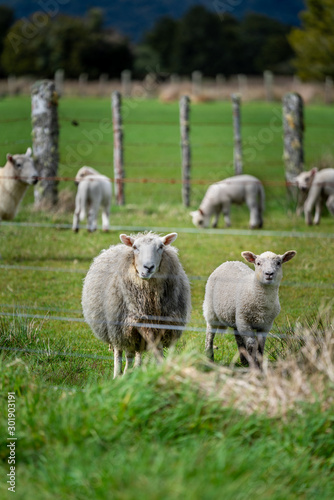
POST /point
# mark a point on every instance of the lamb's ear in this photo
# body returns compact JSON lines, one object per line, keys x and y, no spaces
{"x":201,"y":212}
{"x":169,"y":238}
{"x":10,"y":158}
{"x":127,"y":240}
{"x":249,"y":256}
{"x":28,"y":152}
{"x":314,"y":171}
{"x":288,"y":255}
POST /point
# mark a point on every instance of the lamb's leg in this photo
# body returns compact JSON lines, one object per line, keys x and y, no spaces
{"x":330,"y":204}
{"x":241,"y":343}
{"x":317,"y":215}
{"x":226,"y":213}
{"x":261,"y":337}
{"x":255,"y":217}
{"x":215,"y":218}
{"x":129,"y":356}
{"x":105,"y":217}
{"x":210,"y":336}
{"x":76,"y":215}
{"x":117,"y":362}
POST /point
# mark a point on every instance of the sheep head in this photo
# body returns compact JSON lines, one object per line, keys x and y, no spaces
{"x":147,"y":250}
{"x":268,"y":265}
{"x":24,"y":167}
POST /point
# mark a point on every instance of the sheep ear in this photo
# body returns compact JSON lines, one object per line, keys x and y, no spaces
{"x":28,"y":152}
{"x":288,"y":256}
{"x":127,"y":240}
{"x":201,"y":212}
{"x":169,"y":238}
{"x":10,"y":158}
{"x":314,"y":171}
{"x":249,"y":256}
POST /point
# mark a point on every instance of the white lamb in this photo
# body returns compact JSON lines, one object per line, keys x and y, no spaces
{"x":247,"y":301}
{"x":219,"y":196}
{"x":15,"y":178}
{"x":94,"y":190}
{"x":319,"y":184}
{"x":136,"y":296}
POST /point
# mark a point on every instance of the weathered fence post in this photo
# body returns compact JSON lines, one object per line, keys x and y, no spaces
{"x":126,"y":82}
{"x":196,"y":78}
{"x":118,"y":148}
{"x":242,"y":84}
{"x":45,"y":133}
{"x":237,"y":155}
{"x":328,"y":90}
{"x":293,"y":127}
{"x":268,"y":78}
{"x":59,"y":81}
{"x":185,"y":148}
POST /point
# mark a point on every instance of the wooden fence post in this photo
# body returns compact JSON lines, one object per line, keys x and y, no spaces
{"x":268,"y":78}
{"x":118,"y":148}
{"x":293,"y":127}
{"x":237,"y":155}
{"x":185,"y":148}
{"x":45,"y":133}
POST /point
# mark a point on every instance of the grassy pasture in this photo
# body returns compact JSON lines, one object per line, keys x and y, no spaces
{"x":41,"y":275}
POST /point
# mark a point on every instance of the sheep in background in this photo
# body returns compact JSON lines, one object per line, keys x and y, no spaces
{"x":319,"y":184}
{"x":245,"y":300}
{"x":15,"y":178}
{"x":94,"y":190}
{"x":130,"y":287}
{"x":219,"y":196}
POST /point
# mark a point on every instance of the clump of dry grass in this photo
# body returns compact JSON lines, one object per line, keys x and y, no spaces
{"x":305,"y":373}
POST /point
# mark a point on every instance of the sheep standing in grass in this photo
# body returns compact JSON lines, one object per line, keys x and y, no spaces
{"x":219,"y":196}
{"x":15,"y":178}
{"x":247,"y":301}
{"x":94,"y":190}
{"x":136,"y":296}
{"x":320,"y":186}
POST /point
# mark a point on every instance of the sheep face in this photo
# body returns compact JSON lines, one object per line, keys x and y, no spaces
{"x":268,"y":265}
{"x":199,"y":219}
{"x":147,"y":250}
{"x":83,"y":172}
{"x":24,"y":167}
{"x":304,"y":179}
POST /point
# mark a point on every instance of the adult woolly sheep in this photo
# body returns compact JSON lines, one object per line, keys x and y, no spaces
{"x":247,"y":301}
{"x":220,"y":196}
{"x":15,"y":178}
{"x":319,"y":184}
{"x":136,"y":296}
{"x":94,"y":190}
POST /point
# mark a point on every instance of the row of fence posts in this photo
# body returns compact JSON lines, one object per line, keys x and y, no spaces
{"x":45,"y":135}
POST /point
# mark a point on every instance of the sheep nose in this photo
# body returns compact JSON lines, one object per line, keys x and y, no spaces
{"x":149,"y":268}
{"x":269,"y":275}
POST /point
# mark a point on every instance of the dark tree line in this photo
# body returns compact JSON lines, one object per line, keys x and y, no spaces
{"x":200,"y":40}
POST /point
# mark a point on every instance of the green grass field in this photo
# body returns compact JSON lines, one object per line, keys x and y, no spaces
{"x":132,"y":438}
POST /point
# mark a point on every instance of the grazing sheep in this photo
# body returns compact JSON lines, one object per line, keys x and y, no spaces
{"x":94,"y":189}
{"x":132,"y":286}
{"x":237,"y":297}
{"x":219,"y":196}
{"x":320,"y":187}
{"x":15,"y":178}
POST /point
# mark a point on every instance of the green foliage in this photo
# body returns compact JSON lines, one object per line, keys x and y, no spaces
{"x":42,"y":44}
{"x":314,"y":42}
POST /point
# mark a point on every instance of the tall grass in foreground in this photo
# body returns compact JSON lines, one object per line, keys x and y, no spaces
{"x":184,"y":430}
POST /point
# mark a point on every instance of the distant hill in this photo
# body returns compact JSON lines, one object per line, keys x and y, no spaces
{"x":134,"y":17}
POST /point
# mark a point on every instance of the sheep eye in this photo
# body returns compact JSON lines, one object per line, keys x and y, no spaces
{"x":200,"y":222}
{"x":258,"y":263}
{"x":278,"y":263}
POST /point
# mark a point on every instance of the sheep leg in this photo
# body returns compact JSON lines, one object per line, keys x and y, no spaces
{"x":317,"y":215}
{"x":117,"y":362}
{"x":105,"y":217}
{"x":75,"y":225}
{"x":226,"y":214}
{"x":261,"y":337}
{"x":330,"y":204}
{"x":129,"y":356}
{"x":210,"y":336}
{"x":92,"y":214}
{"x":241,"y":343}
{"x":255,"y":217}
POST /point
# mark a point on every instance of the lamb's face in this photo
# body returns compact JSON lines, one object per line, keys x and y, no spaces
{"x":199,"y":219}
{"x":83,"y":172}
{"x":268,"y":265}
{"x":304,"y":179}
{"x":24,"y":167}
{"x":147,"y":250}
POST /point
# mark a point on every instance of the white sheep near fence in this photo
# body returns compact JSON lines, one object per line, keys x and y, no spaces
{"x":219,"y":197}
{"x":136,"y":296}
{"x":94,"y":190}
{"x":245,"y":300}
{"x":16,"y":176}
{"x":319,"y":186}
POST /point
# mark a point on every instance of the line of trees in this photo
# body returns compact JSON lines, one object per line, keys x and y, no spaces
{"x":200,"y":40}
